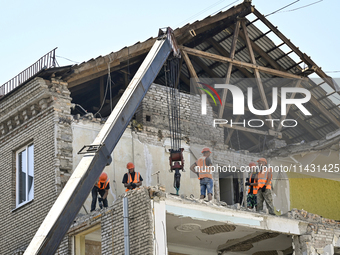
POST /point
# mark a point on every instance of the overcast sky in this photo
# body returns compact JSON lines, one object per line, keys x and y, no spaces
{"x":87,"y":29}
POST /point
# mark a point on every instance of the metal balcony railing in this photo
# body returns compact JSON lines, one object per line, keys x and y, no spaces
{"x":45,"y":62}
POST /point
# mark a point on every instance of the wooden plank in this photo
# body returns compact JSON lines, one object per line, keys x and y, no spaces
{"x":235,"y":38}
{"x":253,"y":130}
{"x":225,"y":53}
{"x":308,"y":61}
{"x":183,"y":34}
{"x":230,"y":67}
{"x":192,"y":71}
{"x":194,"y":75}
{"x":302,"y":55}
{"x":283,"y":117}
{"x":114,"y":59}
{"x":93,"y":74}
{"x":256,"y":72}
{"x":235,"y":62}
{"x":263,"y":54}
{"x":230,"y":133}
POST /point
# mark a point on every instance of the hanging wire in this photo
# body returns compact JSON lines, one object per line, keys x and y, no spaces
{"x":171,"y":70}
{"x":224,"y":7}
{"x":68,"y":59}
{"x":168,"y":102}
{"x":238,"y":140}
{"x":303,"y":6}
{"x":108,"y":82}
{"x":282,"y":8}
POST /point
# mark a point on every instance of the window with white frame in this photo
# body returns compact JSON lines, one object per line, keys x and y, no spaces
{"x":25,"y":175}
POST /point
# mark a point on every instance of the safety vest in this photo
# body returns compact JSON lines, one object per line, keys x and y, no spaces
{"x":105,"y":184}
{"x":262,"y":178}
{"x":255,"y":188}
{"x":204,"y":171}
{"x":136,"y":180}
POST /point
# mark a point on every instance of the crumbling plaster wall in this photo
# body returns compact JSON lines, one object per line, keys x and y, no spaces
{"x":322,"y":237}
{"x":149,"y":157}
{"x":37,"y":112}
{"x":147,"y":146}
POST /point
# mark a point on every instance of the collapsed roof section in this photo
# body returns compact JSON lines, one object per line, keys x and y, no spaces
{"x":231,"y":46}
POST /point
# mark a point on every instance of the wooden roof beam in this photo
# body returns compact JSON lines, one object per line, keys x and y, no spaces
{"x":216,"y":23}
{"x":93,"y":73}
{"x":262,"y":53}
{"x":235,"y":62}
{"x":230,"y":67}
{"x":297,"y":51}
{"x":256,"y":71}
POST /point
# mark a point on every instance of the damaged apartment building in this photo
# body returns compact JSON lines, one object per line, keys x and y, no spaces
{"x":49,"y":113}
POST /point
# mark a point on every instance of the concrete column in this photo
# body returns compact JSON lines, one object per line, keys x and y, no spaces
{"x":160,"y":228}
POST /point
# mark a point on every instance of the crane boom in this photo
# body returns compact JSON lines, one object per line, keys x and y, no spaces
{"x":96,"y":156}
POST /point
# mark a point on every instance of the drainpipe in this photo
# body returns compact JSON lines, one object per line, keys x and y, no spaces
{"x":126,"y":226}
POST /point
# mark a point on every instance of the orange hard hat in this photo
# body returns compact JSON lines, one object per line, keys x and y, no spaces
{"x":206,"y":149}
{"x":251,"y":164}
{"x":103,"y":177}
{"x":262,"y":159}
{"x":130,"y":165}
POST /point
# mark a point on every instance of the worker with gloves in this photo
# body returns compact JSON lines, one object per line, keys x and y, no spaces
{"x":264,"y":181}
{"x":102,"y":187}
{"x":252,"y":190}
{"x":202,"y":168}
{"x":132,"y":179}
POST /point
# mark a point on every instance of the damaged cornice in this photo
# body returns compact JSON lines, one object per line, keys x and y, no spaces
{"x":314,"y":146}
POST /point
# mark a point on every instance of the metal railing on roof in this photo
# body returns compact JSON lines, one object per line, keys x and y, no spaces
{"x":45,"y":62}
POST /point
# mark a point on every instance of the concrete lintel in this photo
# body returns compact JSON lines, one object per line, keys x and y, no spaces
{"x":236,"y":217}
{"x":189,"y":250}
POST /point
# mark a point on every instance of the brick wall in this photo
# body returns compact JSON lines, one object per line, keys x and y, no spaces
{"x":196,"y":127}
{"x":197,"y":130}
{"x":30,"y":114}
{"x":112,"y":226}
{"x":321,"y":237}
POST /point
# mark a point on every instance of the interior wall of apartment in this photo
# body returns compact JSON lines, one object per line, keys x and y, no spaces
{"x":147,"y":146}
{"x":317,"y":192}
{"x":148,"y":159}
{"x":315,"y":195}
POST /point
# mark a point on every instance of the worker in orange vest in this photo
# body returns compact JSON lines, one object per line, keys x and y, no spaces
{"x":132,"y":179}
{"x":264,"y":182}
{"x":252,"y":190}
{"x":202,"y":169}
{"x":102,"y":187}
